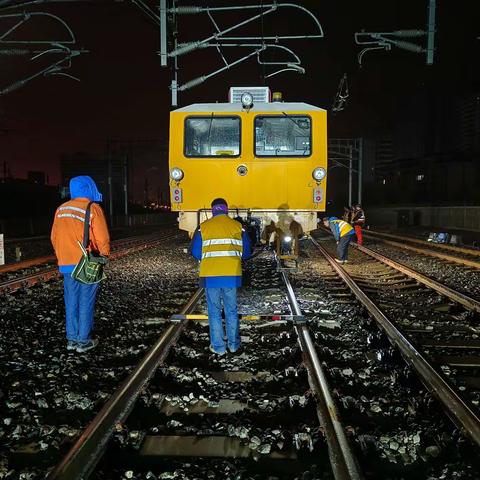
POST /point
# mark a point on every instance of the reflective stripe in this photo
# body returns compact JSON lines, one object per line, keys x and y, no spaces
{"x":71,"y":215}
{"x":222,"y":253}
{"x":341,"y":224}
{"x":221,"y":241}
{"x":76,"y":209}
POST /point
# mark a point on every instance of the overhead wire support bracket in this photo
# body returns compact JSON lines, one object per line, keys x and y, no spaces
{"x":387,"y":40}
{"x":37,"y":48}
{"x":220,"y":39}
{"x":341,"y":96}
{"x":270,"y":8}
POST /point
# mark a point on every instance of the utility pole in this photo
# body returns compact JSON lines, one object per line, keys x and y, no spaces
{"x":360,"y":169}
{"x":350,"y":176}
{"x":110,"y":186}
{"x":125,"y":186}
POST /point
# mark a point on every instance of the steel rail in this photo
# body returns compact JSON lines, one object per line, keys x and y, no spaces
{"x":82,"y":458}
{"x":432,"y":253}
{"x":14,"y":284}
{"x":458,"y":297}
{"x":13,"y":267}
{"x":342,"y":459}
{"x":460,"y":412}
{"x":116,"y":244}
{"x":452,"y":248}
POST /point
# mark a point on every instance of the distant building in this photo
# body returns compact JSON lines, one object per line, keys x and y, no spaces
{"x":110,"y":177}
{"x":21,"y":198}
{"x":468,"y":117}
{"x":36,"y":177}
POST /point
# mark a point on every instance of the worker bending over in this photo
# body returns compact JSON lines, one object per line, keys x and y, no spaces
{"x":343,"y":233}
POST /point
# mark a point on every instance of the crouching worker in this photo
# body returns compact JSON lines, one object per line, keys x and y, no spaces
{"x":67,"y":232}
{"x":220,"y":243}
{"x":343,"y":233}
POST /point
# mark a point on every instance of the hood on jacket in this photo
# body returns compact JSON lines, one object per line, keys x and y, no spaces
{"x":84,"y":187}
{"x":331,"y":219}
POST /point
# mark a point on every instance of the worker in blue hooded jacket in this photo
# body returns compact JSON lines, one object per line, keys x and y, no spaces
{"x":220,"y":243}
{"x":343,"y":233}
{"x":67,"y":232}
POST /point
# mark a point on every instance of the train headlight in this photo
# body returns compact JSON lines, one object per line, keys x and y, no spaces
{"x":287,"y":238}
{"x":319,"y":174}
{"x":247,"y":100}
{"x":176,"y":174}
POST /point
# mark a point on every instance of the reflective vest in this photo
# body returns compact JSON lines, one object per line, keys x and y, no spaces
{"x":221,"y":247}
{"x":344,"y":228}
{"x":67,"y":231}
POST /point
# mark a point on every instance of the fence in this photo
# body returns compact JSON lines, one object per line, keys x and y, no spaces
{"x":458,"y":218}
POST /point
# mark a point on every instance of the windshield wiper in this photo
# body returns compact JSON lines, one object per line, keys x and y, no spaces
{"x":209,"y":133}
{"x":299,"y":125}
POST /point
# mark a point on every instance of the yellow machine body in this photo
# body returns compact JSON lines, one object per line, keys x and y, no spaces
{"x":272,"y":187}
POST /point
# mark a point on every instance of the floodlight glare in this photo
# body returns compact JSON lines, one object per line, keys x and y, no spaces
{"x":247,"y":100}
{"x":319,"y":174}
{"x":176,"y":174}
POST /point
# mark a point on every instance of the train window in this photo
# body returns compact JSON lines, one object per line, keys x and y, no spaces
{"x":283,"y":136}
{"x":212,"y":136}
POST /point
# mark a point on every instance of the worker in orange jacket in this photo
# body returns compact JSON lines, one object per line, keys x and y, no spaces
{"x":67,"y":232}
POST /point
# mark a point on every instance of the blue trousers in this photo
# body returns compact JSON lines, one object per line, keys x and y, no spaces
{"x":79,"y":308}
{"x":232,"y":324}
{"x":342,"y":248}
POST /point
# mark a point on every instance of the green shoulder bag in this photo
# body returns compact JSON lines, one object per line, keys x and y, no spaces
{"x":90,"y":267}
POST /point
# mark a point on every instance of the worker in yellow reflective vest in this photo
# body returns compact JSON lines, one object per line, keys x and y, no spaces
{"x":343,"y":233}
{"x":220,"y":243}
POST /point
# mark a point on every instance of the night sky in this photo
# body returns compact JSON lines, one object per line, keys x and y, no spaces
{"x":124,"y":95}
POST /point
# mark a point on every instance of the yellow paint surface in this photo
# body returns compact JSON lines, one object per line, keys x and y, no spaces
{"x":281,"y":183}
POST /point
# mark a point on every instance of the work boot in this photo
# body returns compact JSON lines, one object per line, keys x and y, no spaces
{"x":71,"y":345}
{"x":83,"y":347}
{"x":237,"y":350}
{"x":339,"y":261}
{"x":216,"y":353}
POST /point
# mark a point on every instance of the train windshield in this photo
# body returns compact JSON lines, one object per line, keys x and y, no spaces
{"x":212,"y":136}
{"x":283,"y":136}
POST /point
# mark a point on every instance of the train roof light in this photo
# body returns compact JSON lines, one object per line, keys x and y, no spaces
{"x":277,"y":97}
{"x":319,"y":174}
{"x":247,"y":100}
{"x":176,"y":174}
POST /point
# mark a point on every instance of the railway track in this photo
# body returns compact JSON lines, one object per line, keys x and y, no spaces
{"x":287,"y":419}
{"x":467,"y":257}
{"x":20,"y":275}
{"x":186,"y":414}
{"x":428,"y":330}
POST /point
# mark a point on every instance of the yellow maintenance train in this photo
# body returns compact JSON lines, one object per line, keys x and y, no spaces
{"x":268,"y":159}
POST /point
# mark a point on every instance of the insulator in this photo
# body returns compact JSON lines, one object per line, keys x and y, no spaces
{"x":186,"y":10}
{"x":14,"y":51}
{"x":412,"y":47}
{"x":12,"y":87}
{"x":191,"y":83}
{"x":187,"y":47}
{"x":408,"y":33}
